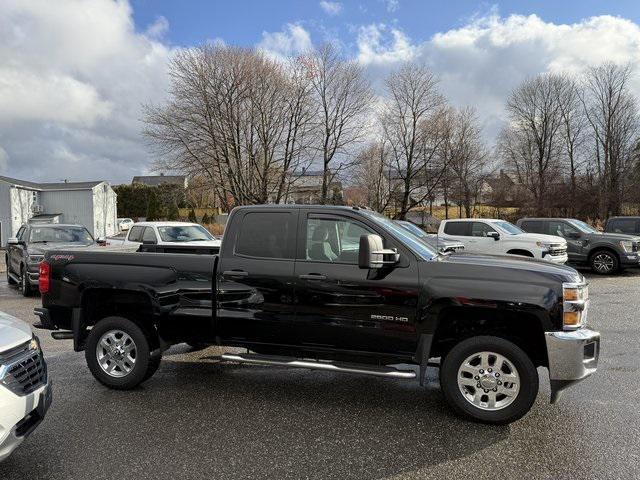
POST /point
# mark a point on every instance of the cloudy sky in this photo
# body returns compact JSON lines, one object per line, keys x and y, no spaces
{"x":74,"y":73}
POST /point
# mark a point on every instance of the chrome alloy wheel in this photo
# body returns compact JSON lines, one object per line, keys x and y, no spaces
{"x":488,"y":381}
{"x":603,"y":263}
{"x":116,"y":353}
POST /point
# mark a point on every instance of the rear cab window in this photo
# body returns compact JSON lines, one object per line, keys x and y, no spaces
{"x":460,"y":229}
{"x":623,"y":225}
{"x":267,"y":235}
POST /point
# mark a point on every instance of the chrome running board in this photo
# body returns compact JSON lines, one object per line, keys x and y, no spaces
{"x":290,"y":362}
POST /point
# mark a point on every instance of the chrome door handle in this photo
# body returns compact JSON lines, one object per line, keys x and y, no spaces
{"x":313,"y":276}
{"x":235,"y":273}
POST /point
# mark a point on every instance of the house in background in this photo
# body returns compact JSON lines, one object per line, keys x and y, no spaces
{"x":306,"y":189}
{"x":162,"y":179}
{"x":92,"y":204}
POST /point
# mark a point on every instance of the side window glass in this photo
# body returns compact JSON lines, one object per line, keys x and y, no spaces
{"x":561,"y":229}
{"x":135,"y":234}
{"x":623,"y":226}
{"x":334,"y":240}
{"x":267,"y":235}
{"x":479,"y":229}
{"x":532,"y":226}
{"x":149,"y":235}
{"x":459,"y":229}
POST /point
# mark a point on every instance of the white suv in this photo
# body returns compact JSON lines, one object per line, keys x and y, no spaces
{"x":499,"y":237}
{"x":25,"y":392}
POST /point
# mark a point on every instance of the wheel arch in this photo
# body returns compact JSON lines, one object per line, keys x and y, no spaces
{"x":520,"y":251}
{"x":523,"y":328}
{"x":134,"y":305}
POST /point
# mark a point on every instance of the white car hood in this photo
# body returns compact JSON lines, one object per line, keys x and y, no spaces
{"x":538,"y":237}
{"x":13,"y":332}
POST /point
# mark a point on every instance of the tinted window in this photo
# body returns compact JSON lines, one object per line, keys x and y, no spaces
{"x":480,"y":229}
{"x":623,"y":225}
{"x":334,"y":240}
{"x":457,"y":228}
{"x":149,"y":235}
{"x":266,"y":235}
{"x":60,"y":235}
{"x":532,"y":226}
{"x":561,"y":229}
{"x":135,"y":234}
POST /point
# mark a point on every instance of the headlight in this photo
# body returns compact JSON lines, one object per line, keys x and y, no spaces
{"x":544,"y":245}
{"x":575,"y":298}
{"x":34,"y":345}
{"x":627,"y":245}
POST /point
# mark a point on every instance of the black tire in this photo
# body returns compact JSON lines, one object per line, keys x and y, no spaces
{"x":10,"y":280}
{"x":143,"y":368}
{"x":25,"y":286}
{"x":519,"y":406}
{"x":604,"y":262}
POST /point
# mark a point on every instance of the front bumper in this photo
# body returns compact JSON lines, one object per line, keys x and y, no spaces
{"x":560,"y":259}
{"x":573,"y":356}
{"x":19,"y":416}
{"x":630,"y":259}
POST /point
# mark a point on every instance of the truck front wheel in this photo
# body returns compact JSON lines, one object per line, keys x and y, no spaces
{"x":118,"y":354}
{"x":489,"y":379}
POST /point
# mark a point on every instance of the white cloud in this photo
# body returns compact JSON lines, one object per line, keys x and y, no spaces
{"x":482,"y":61}
{"x":392,"y":5}
{"x":293,"y":40}
{"x":331,"y":8}
{"x":380,"y":44}
{"x":73,"y":75}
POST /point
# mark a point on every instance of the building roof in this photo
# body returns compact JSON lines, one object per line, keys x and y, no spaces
{"x":51,"y":186}
{"x":155,"y":180}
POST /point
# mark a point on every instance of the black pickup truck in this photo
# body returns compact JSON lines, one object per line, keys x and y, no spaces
{"x":332,"y":288}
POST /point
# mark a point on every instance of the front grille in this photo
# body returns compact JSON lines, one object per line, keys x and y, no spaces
{"x":560,"y":251}
{"x":23,"y":370}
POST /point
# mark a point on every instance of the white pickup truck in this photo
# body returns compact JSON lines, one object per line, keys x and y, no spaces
{"x":165,"y":234}
{"x":499,"y":237}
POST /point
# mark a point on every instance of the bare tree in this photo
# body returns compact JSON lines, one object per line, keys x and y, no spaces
{"x":463,"y":150}
{"x":344,"y":97}
{"x":235,"y":117}
{"x":413,"y":130}
{"x":572,"y":132}
{"x":530,"y":143}
{"x":371,"y":174}
{"x":612,"y":113}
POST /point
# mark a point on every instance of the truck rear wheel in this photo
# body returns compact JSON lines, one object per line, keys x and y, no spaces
{"x":118,"y":354}
{"x":489,"y":379}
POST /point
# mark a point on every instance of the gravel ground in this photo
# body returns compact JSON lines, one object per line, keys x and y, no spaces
{"x":198,"y":418}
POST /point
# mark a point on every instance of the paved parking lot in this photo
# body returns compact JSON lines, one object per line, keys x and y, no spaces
{"x":198,"y":418}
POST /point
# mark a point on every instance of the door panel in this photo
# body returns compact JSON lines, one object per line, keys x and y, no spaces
{"x":255,"y":278}
{"x":342,"y":306}
{"x":575,"y":247}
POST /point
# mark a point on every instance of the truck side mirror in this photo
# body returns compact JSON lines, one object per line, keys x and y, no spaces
{"x":373,"y":254}
{"x":13,"y":241}
{"x":494,"y":235}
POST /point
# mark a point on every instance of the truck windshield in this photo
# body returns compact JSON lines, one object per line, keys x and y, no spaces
{"x":582,"y":226}
{"x":60,"y":234}
{"x":508,"y":228}
{"x":184,"y":233}
{"x":424,"y":251}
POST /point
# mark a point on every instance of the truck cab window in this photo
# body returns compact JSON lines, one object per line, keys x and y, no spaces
{"x":266,"y":235}
{"x":334,"y":240}
{"x":460,"y":229}
{"x":135,"y":234}
{"x":623,"y":226}
{"x":480,"y":229}
{"x":561,"y":229}
{"x":532,"y":226}
{"x":149,"y":235}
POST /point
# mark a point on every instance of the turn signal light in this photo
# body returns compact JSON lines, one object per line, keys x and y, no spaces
{"x":572,"y":319}
{"x":571,"y":294}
